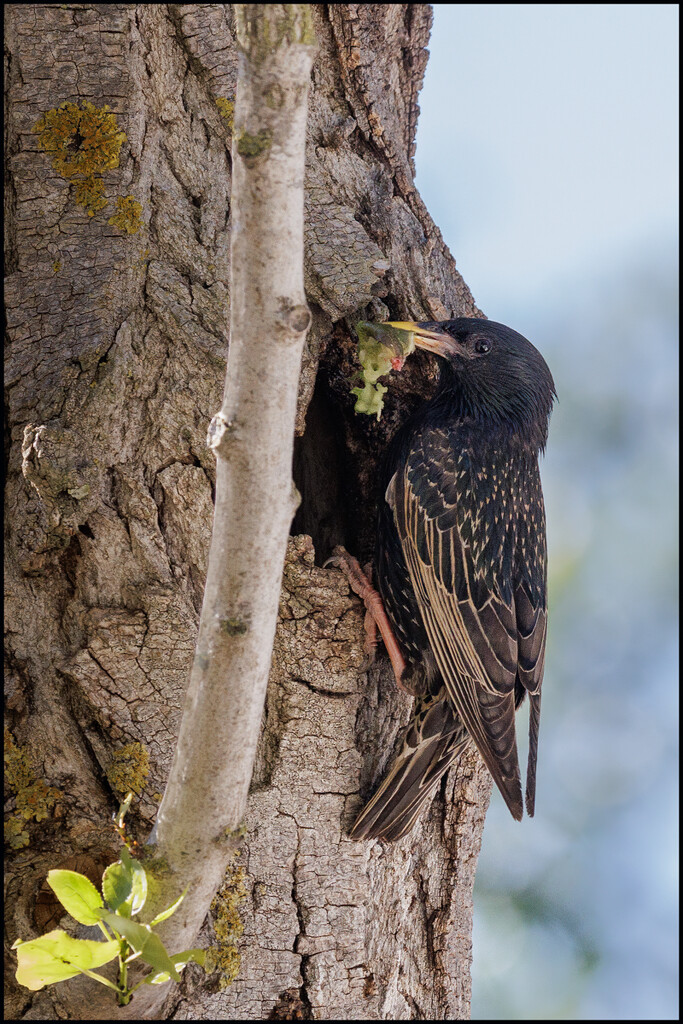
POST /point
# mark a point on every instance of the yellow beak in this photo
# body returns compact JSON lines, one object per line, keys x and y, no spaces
{"x":432,"y":341}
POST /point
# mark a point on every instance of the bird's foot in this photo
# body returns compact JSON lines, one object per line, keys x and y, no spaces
{"x":375,"y":617}
{"x":370,"y":642}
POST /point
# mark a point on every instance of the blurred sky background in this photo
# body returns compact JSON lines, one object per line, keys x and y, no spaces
{"x":547,"y":153}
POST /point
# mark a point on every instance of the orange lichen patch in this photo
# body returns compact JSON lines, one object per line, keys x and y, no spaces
{"x":128,"y":769}
{"x":226,"y":108}
{"x":15,"y":834}
{"x":127,"y":216}
{"x":89,"y":194}
{"x":83,"y":141}
{"x":33,"y":798}
{"x":224,"y":955}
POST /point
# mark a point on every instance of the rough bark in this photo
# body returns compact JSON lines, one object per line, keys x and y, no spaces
{"x":116,"y":358}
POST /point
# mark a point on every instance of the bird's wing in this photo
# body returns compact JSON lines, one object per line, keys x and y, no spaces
{"x":531,"y":611}
{"x":532,"y":621}
{"x":432,"y":742}
{"x":469,"y":614}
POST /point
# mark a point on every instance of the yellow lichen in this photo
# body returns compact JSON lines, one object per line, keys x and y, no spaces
{"x":33,"y":798}
{"x":252,"y":146}
{"x":224,"y":955}
{"x":16,"y":835}
{"x":127,"y":216}
{"x":18,"y":770}
{"x":128,"y":769}
{"x":89,"y":194}
{"x":226,"y":108}
{"x":82,"y":141}
{"x":57,"y":266}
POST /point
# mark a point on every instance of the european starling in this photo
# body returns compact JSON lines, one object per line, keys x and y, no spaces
{"x":461,"y":565}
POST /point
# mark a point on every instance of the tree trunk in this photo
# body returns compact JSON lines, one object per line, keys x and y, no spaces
{"x":117,"y":323}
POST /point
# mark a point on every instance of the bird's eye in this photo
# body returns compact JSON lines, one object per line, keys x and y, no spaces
{"x":482,"y":346}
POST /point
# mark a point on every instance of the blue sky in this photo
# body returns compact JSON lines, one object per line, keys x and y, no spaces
{"x":547,"y":140}
{"x":547,"y":153}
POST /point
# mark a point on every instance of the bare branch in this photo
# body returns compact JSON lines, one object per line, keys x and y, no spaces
{"x":252,"y":438}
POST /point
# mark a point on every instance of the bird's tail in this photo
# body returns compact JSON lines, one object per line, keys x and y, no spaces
{"x":434,"y":739}
{"x":534,"y":717}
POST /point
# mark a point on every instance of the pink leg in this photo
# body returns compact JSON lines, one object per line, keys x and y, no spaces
{"x":361,"y":585}
{"x":370,"y":635}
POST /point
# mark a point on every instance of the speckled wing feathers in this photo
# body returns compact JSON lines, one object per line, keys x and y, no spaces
{"x":461,"y":557}
{"x":487,"y":711}
{"x":461,"y":567}
{"x":433,"y":740}
{"x":532,"y":621}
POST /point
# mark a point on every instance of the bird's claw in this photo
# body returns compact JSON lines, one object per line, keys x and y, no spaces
{"x":350,"y":566}
{"x":360,"y":582}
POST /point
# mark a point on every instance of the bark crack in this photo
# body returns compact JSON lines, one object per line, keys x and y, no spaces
{"x":307,"y":1009}
{"x":322,"y":691}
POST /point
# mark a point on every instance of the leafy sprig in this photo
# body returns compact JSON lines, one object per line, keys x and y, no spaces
{"x":56,"y":956}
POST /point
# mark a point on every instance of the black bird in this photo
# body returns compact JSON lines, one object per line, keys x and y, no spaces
{"x":461,"y":565}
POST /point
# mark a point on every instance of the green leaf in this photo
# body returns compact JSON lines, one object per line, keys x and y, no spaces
{"x":180,"y":960}
{"x":169,"y":910}
{"x":143,"y":940}
{"x":77,"y":894}
{"x":196,"y":955}
{"x":138,"y":895}
{"x":117,"y":884}
{"x":56,"y":956}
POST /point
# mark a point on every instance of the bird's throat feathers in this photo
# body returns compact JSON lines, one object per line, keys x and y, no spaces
{"x":506,"y":406}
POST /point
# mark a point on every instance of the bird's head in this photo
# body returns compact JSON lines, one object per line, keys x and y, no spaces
{"x":490,"y":373}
